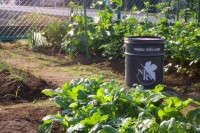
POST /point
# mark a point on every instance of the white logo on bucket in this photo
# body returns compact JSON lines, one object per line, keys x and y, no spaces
{"x":146,"y":75}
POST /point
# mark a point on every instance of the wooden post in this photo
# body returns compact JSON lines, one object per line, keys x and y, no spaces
{"x":86,"y":43}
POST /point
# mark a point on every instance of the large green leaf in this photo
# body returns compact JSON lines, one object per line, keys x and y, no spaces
{"x":95,"y":128}
{"x":94,"y":119}
{"x":194,"y":116}
{"x":51,"y":93}
{"x":159,"y":88}
{"x":167,"y":125}
{"x":82,"y":95}
{"x":147,"y":126}
{"x":77,"y":128}
{"x":66,"y":87}
{"x":175,"y":126}
{"x":118,"y":2}
{"x":45,"y":128}
{"x":108,"y":129}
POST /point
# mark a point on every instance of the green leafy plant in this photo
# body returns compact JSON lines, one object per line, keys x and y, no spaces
{"x":94,"y":105}
{"x":104,"y":36}
{"x":109,"y":36}
{"x":183,"y":43}
{"x":182,"y":39}
{"x":55,"y":33}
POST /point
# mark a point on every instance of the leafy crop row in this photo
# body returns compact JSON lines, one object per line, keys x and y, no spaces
{"x":96,"y":106}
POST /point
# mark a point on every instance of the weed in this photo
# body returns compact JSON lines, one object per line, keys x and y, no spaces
{"x":14,"y":74}
{"x":17,"y":76}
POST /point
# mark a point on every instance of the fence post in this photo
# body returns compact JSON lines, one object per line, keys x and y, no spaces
{"x":71,"y":12}
{"x":119,"y":14}
{"x":168,"y":10}
{"x":178,"y":10}
{"x":198,"y":16}
{"x":186,"y":11}
{"x":86,"y":43}
{"x":125,"y":6}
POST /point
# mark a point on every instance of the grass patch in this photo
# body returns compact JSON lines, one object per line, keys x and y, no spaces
{"x":71,"y":68}
{"x":21,"y":44}
{"x":35,"y":57}
{"x":3,"y":66}
{"x":14,"y":74}
{"x":91,"y":71}
{"x":196,"y":84}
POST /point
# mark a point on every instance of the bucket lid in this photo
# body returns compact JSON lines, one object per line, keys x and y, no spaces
{"x":144,"y":39}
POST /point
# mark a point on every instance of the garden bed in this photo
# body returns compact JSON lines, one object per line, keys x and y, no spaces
{"x":20,"y":87}
{"x":23,"y":113}
{"x":22,"y":105}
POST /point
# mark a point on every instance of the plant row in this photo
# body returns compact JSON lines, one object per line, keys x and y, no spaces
{"x":97,"y":106}
{"x":101,"y":35}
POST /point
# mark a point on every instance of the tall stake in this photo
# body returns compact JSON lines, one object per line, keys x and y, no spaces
{"x":178,"y":10}
{"x":86,"y":43}
{"x":119,"y":14}
{"x":186,"y":11}
{"x":71,"y":12}
{"x":198,"y":19}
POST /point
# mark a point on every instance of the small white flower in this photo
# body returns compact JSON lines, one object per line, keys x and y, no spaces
{"x":71,"y":32}
{"x":108,"y":33}
{"x":96,"y":19}
{"x":177,"y":43}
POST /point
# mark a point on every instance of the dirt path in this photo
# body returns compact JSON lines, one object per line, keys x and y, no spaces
{"x":26,"y":61}
{"x":57,"y":69}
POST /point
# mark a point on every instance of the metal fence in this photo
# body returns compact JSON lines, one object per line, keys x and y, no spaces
{"x":17,"y":17}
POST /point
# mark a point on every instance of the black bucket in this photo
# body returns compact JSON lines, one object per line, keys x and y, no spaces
{"x":144,"y":61}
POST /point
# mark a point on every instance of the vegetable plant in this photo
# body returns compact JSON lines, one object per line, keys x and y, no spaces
{"x":97,"y":106}
{"x":105,"y":37}
{"x":55,"y":33}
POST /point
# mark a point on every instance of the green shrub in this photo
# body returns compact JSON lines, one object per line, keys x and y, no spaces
{"x":103,"y":36}
{"x":55,"y":33}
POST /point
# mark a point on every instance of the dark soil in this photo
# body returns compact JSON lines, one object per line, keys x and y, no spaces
{"x":22,"y":118}
{"x":25,"y":119}
{"x":14,"y":90}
